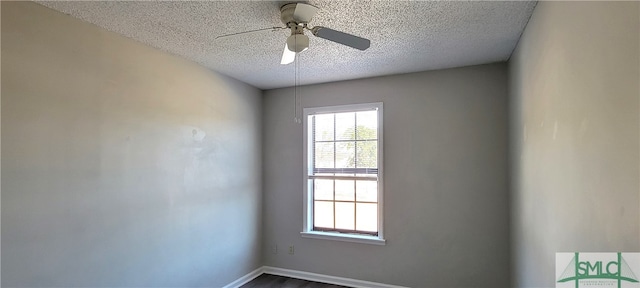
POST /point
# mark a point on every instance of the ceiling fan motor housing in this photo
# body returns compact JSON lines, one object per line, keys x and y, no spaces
{"x":286,"y":14}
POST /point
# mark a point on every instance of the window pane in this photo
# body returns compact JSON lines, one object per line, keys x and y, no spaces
{"x":367,"y":191}
{"x":345,"y":215}
{"x":367,"y":122}
{"x":323,"y":155}
{"x":344,"y":190}
{"x":367,"y":217}
{"x":345,"y":154}
{"x":324,"y":127}
{"x":367,"y":154}
{"x":323,"y":214}
{"x":345,"y":126}
{"x":323,"y":189}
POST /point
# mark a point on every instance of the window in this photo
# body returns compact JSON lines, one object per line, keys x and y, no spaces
{"x":343,"y":177}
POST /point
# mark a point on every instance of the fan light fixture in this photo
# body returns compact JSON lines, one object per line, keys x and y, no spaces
{"x":298,"y":43}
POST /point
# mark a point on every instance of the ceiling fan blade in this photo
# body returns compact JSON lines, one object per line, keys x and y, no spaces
{"x":304,"y":12}
{"x":341,"y":37}
{"x":287,"y":56}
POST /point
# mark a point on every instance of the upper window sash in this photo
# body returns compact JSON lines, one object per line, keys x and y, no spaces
{"x":311,"y":170}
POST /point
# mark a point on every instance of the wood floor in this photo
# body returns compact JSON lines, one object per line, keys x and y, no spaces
{"x":269,"y":281}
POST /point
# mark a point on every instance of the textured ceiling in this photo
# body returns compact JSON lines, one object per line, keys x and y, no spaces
{"x":406,"y":36}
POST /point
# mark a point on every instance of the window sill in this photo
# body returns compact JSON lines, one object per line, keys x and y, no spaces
{"x":344,"y":237}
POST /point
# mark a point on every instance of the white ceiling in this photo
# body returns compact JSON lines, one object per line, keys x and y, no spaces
{"x":406,"y":36}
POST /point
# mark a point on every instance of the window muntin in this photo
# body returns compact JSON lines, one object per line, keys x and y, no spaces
{"x":344,"y":169}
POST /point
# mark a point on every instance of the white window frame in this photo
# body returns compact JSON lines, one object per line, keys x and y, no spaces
{"x":307,"y":229}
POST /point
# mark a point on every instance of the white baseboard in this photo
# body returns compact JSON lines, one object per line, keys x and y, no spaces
{"x":325,"y":278}
{"x":246,"y":278}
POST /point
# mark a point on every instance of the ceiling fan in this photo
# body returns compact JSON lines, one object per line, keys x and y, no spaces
{"x":296,"y":17}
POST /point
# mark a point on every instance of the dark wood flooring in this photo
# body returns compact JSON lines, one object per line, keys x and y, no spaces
{"x":273,"y":281}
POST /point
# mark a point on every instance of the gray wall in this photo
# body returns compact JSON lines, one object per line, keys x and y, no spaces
{"x":574,"y":132}
{"x":122,"y":165}
{"x":446,"y":200}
